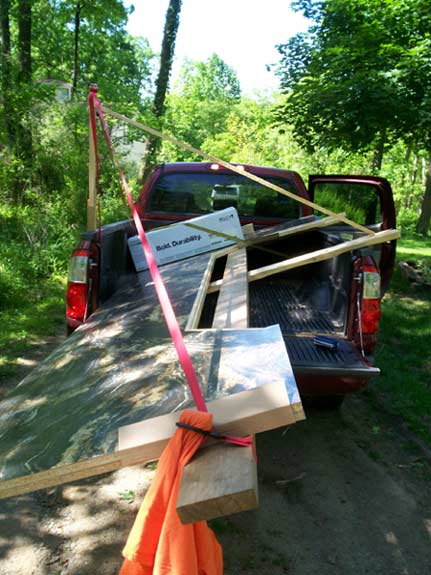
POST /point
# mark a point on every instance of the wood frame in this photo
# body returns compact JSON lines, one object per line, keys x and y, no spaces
{"x":316,"y":256}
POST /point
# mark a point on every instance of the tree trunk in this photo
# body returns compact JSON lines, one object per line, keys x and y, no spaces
{"x":76,"y":48}
{"x":172,"y":22}
{"x":168,"y":46}
{"x":413,"y":178}
{"x":24,"y":139}
{"x":9,"y":124}
{"x":24,"y":40}
{"x":425,"y":216}
{"x":378,"y":153}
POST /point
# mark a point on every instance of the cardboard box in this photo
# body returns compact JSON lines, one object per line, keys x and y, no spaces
{"x":180,"y":241}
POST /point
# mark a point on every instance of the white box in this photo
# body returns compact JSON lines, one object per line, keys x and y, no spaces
{"x":180,"y":241}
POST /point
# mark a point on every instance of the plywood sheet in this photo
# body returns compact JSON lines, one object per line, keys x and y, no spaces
{"x":246,"y":379}
{"x":71,"y":406}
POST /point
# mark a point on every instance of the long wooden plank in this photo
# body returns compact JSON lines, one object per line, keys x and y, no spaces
{"x":314,"y":257}
{"x":91,"y":200}
{"x":221,"y":480}
{"x":324,"y":254}
{"x":236,"y":169}
{"x":195,"y":314}
{"x":244,"y":413}
{"x":317,"y":224}
{"x":232,"y":304}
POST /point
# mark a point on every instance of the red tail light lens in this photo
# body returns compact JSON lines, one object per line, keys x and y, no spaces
{"x":370,"y":307}
{"x":77,"y":287}
{"x":370,"y":315}
{"x":76,"y":300}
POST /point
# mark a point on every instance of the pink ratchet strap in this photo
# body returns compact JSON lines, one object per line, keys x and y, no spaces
{"x":162,"y":294}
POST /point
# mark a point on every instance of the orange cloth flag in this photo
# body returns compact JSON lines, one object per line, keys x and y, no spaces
{"x":159,"y":544}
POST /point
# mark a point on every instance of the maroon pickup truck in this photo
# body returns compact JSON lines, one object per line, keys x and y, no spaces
{"x":328,"y":311}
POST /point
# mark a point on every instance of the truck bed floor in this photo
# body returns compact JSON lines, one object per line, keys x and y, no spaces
{"x":278,"y":302}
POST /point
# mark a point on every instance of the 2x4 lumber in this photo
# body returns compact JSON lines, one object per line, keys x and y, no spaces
{"x":248,"y":231}
{"x":195,"y":314}
{"x":323,"y":254}
{"x":245,"y":413}
{"x":314,"y":257}
{"x":91,"y":201}
{"x":236,"y":169}
{"x":222,"y":479}
{"x":232,"y":304}
{"x":317,"y":224}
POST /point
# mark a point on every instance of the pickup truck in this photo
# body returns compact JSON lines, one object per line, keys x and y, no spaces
{"x":328,"y":311}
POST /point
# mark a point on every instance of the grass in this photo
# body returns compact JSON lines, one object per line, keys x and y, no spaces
{"x":404,"y":351}
{"x":27,"y":322}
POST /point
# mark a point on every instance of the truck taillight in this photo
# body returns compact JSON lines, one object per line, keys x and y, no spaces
{"x":77,"y":286}
{"x":76,"y":301}
{"x":370,"y":305}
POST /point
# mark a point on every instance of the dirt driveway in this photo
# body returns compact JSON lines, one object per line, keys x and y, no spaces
{"x":341,"y":493}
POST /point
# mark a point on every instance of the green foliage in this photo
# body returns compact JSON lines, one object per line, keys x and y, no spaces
{"x":107,"y":55}
{"x":359,"y":79}
{"x":212,"y":81}
{"x":341,"y":77}
{"x":403,"y":347}
{"x":197,"y":108}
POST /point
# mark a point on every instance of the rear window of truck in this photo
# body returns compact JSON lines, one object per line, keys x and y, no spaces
{"x":203,"y":193}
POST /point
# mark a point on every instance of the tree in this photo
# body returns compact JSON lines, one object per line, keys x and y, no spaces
{"x":76,"y":29}
{"x":360,"y":77}
{"x":24,"y":138}
{"x":200,"y":103}
{"x":85,"y":42}
{"x":172,"y":22}
{"x":9,"y":125}
{"x":341,"y":77}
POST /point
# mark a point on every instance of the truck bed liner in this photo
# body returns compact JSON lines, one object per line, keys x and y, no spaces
{"x":278,"y":302}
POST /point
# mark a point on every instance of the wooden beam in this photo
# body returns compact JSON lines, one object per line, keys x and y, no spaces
{"x":232,"y":304}
{"x":317,"y":224}
{"x":313,"y":257}
{"x":91,"y":201}
{"x":198,"y":304}
{"x":248,"y":231}
{"x":324,"y":254}
{"x":220,"y":480}
{"x":244,"y":413}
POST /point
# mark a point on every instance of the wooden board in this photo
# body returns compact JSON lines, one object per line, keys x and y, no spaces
{"x":220,"y":480}
{"x":323,"y":254}
{"x":314,"y":257}
{"x":232,"y":304}
{"x":75,"y":427}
